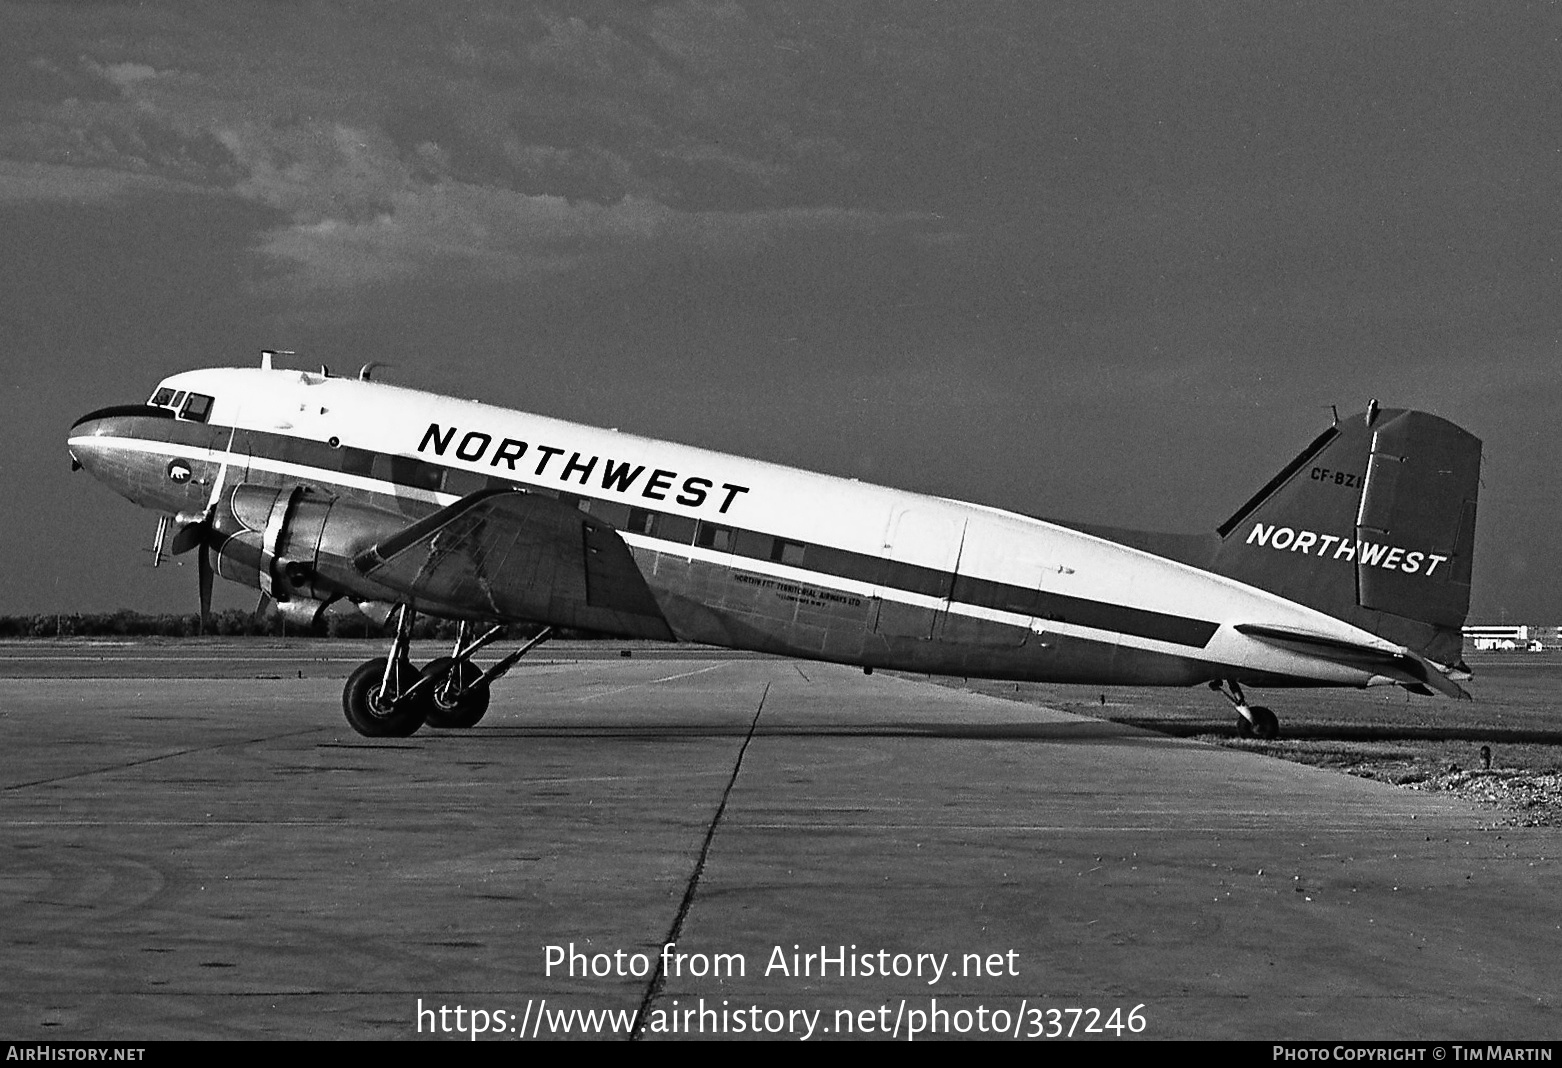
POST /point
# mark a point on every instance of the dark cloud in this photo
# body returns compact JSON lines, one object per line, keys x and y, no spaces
{"x":1112,"y":261}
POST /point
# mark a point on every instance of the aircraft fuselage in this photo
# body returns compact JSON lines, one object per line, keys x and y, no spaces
{"x":735,"y":552}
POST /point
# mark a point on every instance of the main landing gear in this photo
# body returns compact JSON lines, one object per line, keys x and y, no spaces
{"x":389,"y":698}
{"x":1253,"y":721}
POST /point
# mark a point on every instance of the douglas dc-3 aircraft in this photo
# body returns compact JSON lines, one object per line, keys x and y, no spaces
{"x":1351,"y":567}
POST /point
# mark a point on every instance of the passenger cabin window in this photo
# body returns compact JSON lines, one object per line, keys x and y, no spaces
{"x":196,"y":408}
{"x":787,"y":552}
{"x":711,"y":536}
{"x":678,"y":528}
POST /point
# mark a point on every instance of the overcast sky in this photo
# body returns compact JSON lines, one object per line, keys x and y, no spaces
{"x":1097,"y":261}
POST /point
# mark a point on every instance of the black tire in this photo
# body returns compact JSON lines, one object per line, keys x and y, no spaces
{"x":374,"y":719}
{"x":470,"y":705}
{"x":1266,"y":724}
{"x":1244,"y":728}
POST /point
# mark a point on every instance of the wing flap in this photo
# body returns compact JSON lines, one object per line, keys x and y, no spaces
{"x":1404,"y":667}
{"x":512,"y":555}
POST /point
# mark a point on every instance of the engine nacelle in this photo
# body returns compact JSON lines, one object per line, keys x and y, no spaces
{"x":301,"y":612}
{"x":297,"y":543}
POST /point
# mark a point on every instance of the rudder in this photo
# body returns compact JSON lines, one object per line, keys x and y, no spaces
{"x":1422,"y":481}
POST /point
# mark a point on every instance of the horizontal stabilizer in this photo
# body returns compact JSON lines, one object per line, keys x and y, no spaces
{"x":1404,"y":667}
{"x":521,"y":556}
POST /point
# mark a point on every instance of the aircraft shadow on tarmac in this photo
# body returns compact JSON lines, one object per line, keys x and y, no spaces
{"x":1086,"y":731}
{"x":1124,"y":731}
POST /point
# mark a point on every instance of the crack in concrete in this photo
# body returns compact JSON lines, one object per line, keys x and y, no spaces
{"x":653,"y":989}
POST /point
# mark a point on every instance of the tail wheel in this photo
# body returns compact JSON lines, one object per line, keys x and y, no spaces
{"x":458,"y":700}
{"x":368,"y":709}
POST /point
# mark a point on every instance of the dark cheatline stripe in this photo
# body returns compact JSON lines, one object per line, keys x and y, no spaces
{"x":1140,"y":622}
{"x":1079,"y":611}
{"x":349,"y":460}
{"x":682,"y":530}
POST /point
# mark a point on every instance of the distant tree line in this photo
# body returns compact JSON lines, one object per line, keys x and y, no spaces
{"x":233,"y":622}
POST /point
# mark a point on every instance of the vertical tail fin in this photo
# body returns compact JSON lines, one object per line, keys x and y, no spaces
{"x":1373,"y":523}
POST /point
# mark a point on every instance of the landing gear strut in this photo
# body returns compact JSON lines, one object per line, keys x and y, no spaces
{"x":1253,"y":721}
{"x":389,"y":698}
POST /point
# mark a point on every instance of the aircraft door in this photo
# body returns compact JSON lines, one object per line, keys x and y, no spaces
{"x":1002,"y":571}
{"x":922,"y":551}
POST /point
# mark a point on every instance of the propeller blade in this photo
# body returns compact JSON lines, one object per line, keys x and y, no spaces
{"x":201,"y":533}
{"x":205,"y":567}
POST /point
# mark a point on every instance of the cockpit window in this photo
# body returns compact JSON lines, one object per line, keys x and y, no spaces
{"x":196,"y":408}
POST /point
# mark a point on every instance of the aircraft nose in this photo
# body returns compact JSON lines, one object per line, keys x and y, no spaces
{"x":84,"y":442}
{"x":96,"y":434}
{"x":122,"y":448}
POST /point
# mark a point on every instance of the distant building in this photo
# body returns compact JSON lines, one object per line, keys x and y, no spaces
{"x":1508,"y":638}
{"x":1548,"y":637}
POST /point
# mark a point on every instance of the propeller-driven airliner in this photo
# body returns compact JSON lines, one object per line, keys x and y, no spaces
{"x":1351,"y":567}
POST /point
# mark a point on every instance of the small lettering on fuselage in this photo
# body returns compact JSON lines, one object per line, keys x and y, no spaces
{"x":792,"y":591}
{"x":1392,"y":557}
{"x":583,"y":469}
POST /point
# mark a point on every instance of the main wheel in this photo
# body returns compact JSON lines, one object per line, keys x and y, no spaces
{"x":371,"y":715}
{"x":463,"y":707}
{"x":1266,"y":724}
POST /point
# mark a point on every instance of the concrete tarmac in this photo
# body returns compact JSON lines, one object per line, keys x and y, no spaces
{"x":224,"y":858}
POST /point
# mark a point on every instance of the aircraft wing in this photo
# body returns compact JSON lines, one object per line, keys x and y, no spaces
{"x":511,"y":555}
{"x":1414,"y":672}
